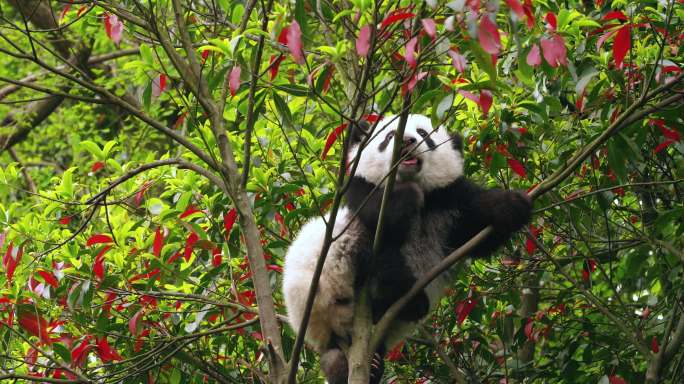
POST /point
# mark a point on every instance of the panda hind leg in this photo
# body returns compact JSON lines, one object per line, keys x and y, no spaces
{"x":334,"y":366}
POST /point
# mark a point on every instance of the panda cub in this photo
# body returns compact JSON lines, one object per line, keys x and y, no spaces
{"x":432,"y":210}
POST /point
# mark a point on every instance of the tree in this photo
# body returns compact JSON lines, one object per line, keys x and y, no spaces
{"x":159,"y":155}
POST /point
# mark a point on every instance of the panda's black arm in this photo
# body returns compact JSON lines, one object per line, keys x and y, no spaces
{"x":404,"y":203}
{"x":507,"y":211}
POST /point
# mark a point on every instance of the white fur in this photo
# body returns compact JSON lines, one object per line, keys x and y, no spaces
{"x":440,"y":167}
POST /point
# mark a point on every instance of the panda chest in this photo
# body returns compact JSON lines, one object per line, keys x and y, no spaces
{"x":425,"y":244}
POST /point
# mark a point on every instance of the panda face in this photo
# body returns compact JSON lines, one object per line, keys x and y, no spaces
{"x":429,"y":157}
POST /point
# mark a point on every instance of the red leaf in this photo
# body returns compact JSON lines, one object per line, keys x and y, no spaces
{"x":621,"y":45}
{"x":216,"y":257}
{"x":363,"y":41}
{"x":189,"y":243}
{"x":96,"y":166}
{"x":485,"y":101}
{"x":328,"y":77}
{"x":670,"y":134}
{"x":158,"y":242}
{"x":488,"y":35}
{"x":457,"y":60}
{"x":603,"y":38}
{"x":98,"y":266}
{"x":274,"y":64}
{"x":516,"y":7}
{"x":205,"y":55}
{"x":394,"y":17}
{"x":141,"y":192}
{"x":294,"y":42}
{"x":107,"y":303}
{"x":49,"y":278}
{"x":551,"y":19}
{"x":395,"y":354}
{"x":282,"y":37}
{"x":663,"y":145}
{"x":331,"y":139}
{"x":615,"y":379}
{"x":554,"y":51}
{"x":411,"y":52}
{"x":234,"y":79}
{"x":79,"y":354}
{"x":534,"y":56}
{"x":133,"y":322}
{"x":654,"y":345}
{"x":158,"y":85}
{"x":229,"y":220}
{"x":529,"y":12}
{"x":65,"y":220}
{"x":105,"y":351}
{"x":98,"y":239}
{"x":281,"y":221}
{"x":464,"y":308}
{"x":65,"y":10}
{"x":189,"y":211}
{"x":429,"y":27}
{"x":517,"y":167}
{"x":33,"y":323}
{"x":614,"y":15}
{"x":529,"y":329}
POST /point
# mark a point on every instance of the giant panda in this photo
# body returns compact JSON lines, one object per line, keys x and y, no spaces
{"x":432,"y":210}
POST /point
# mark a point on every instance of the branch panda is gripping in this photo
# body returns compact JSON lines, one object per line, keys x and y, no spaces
{"x":432,"y":211}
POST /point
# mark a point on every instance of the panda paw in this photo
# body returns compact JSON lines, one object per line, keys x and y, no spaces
{"x":512,"y":211}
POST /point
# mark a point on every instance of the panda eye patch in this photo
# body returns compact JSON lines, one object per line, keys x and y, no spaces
{"x":422,"y":132}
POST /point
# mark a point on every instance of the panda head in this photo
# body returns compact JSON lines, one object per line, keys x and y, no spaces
{"x":430,"y":156}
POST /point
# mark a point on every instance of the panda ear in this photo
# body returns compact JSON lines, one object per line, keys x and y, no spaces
{"x":358,"y":131}
{"x":457,"y":142}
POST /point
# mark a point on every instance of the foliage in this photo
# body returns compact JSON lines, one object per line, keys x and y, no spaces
{"x":132,"y":249}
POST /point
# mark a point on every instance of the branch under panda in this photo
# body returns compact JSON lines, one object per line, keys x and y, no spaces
{"x":629,"y":116}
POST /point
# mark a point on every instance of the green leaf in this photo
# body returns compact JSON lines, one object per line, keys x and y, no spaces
{"x":483,"y":60}
{"x":283,"y":110}
{"x":62,"y":351}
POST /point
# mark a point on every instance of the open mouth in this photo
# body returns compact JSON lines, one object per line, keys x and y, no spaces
{"x":410,"y":161}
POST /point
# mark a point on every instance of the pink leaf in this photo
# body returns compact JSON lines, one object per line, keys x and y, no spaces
{"x":469,"y":96}
{"x":554,"y":51}
{"x":485,"y":101}
{"x":234,"y":79}
{"x":411,"y":52}
{"x":133,"y":322}
{"x":98,"y":239}
{"x":229,"y":220}
{"x":457,"y":60}
{"x":189,"y":244}
{"x":363,"y":41}
{"x":331,"y":139}
{"x":393,"y":18}
{"x":414,"y":80}
{"x":551,"y":20}
{"x":113,"y":28}
{"x":516,"y":7}
{"x":621,"y":45}
{"x":614,"y":15}
{"x":534,"y":56}
{"x":517,"y":167}
{"x":294,"y":42}
{"x":429,"y":27}
{"x":11,"y":260}
{"x":158,"y":242}
{"x":603,"y":38}
{"x":488,"y":35}
{"x":141,"y":192}
{"x":158,"y":85}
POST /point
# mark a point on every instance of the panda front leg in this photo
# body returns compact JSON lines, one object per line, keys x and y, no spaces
{"x":507,"y":211}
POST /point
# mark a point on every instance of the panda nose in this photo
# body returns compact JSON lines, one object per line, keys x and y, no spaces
{"x":409,"y":141}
